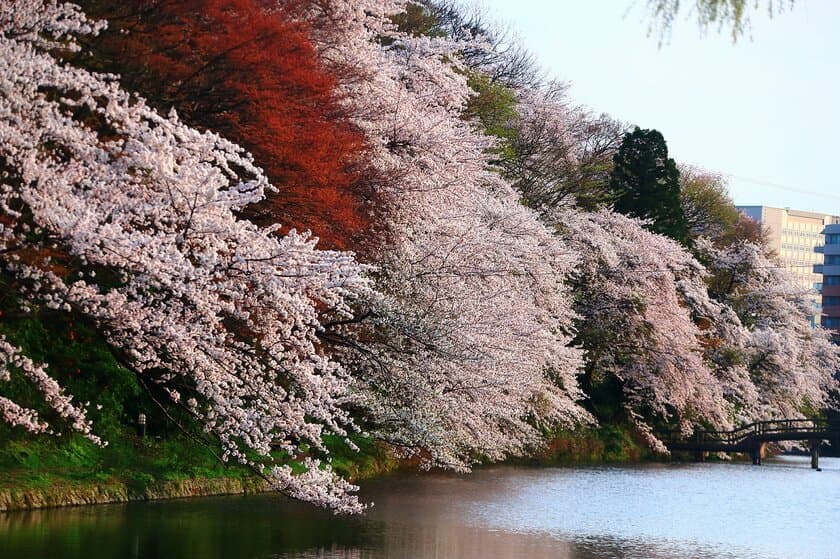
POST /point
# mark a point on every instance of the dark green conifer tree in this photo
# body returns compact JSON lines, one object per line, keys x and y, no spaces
{"x":645,"y":184}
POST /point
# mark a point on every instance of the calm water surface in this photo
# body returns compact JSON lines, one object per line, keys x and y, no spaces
{"x":780,"y":510}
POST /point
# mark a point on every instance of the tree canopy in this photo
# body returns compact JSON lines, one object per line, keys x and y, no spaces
{"x":503,"y":303}
{"x":240,"y":68}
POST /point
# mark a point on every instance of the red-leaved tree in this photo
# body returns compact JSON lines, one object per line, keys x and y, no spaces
{"x":238,"y":68}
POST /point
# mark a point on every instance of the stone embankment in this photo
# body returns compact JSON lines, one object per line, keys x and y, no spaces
{"x":119,"y":492}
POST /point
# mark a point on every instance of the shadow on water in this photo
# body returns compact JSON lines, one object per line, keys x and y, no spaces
{"x":709,"y":511}
{"x":207,"y":528}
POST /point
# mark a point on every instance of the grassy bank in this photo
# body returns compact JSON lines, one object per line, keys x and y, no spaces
{"x":595,"y":445}
{"x":69,"y":469}
{"x":58,"y":491}
{"x":40,"y":471}
{"x":43,"y":472}
{"x":37,"y":473}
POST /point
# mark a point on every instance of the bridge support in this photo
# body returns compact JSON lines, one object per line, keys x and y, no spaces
{"x":815,"y":454}
{"x":757,"y":453}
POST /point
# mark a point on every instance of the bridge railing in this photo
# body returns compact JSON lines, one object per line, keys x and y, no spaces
{"x":756,"y":429}
{"x":792,"y":425}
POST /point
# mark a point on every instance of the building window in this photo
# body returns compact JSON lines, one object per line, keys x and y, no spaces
{"x":831,"y":280}
{"x":831,"y":322}
{"x":832,"y":259}
{"x":831,"y":301}
{"x":832,"y":239}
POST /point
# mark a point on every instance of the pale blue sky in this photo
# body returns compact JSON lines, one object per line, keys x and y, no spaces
{"x":764,"y":110}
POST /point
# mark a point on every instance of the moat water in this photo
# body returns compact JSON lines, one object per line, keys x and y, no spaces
{"x":782,"y":509}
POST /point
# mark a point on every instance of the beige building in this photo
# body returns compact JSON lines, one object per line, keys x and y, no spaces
{"x":794,"y":235}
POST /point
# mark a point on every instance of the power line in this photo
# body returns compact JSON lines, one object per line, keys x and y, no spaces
{"x":765,"y":183}
{"x":783,"y":187}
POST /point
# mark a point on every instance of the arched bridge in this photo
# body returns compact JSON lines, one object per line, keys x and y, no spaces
{"x":753,"y":438}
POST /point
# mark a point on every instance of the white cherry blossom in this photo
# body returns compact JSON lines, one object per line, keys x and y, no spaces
{"x":194,"y":298}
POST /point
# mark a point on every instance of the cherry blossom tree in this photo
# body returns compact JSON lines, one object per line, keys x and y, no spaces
{"x":701,"y":333}
{"x":468,"y":347}
{"x":116,"y":213}
{"x":562,"y":155}
{"x":791,"y":363}
{"x":640,"y":297}
{"x":491,"y":49}
{"x":552,"y":151}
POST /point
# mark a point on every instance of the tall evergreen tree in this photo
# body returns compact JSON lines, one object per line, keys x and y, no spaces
{"x":645,"y":183}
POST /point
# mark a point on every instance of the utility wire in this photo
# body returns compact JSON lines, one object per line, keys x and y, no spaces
{"x":763,"y":182}
{"x":783,"y":187}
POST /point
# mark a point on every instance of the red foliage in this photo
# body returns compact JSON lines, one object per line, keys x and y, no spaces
{"x":238,"y":68}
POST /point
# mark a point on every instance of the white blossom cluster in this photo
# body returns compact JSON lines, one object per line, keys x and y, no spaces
{"x":204,"y":303}
{"x":790,"y":363}
{"x":471,"y":345}
{"x":59,"y":402}
{"x":643,"y":329}
{"x":679,"y":354}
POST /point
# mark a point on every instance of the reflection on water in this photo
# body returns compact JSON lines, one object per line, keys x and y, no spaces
{"x":709,"y":511}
